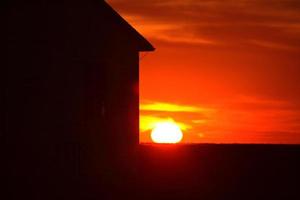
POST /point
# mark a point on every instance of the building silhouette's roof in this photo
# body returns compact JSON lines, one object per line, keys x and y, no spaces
{"x":142,"y":43}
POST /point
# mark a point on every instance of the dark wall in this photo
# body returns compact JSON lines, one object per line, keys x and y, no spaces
{"x":71,"y":103}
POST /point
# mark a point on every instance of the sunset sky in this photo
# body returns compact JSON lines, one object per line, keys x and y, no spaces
{"x":226,"y":71}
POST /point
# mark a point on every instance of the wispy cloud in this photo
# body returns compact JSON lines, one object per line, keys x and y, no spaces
{"x":168,"y":107}
{"x":216,"y":22}
{"x":169,"y":32}
{"x":148,"y":122}
{"x":272,"y":45}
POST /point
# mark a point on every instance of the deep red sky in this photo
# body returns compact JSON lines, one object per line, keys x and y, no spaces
{"x":234,"y":63}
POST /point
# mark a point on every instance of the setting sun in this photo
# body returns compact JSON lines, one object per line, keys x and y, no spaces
{"x":166,"y":132}
{"x":230,"y":76}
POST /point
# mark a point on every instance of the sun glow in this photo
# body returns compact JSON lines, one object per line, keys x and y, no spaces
{"x":166,"y":132}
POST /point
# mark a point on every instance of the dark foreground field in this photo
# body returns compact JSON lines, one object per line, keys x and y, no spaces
{"x":219,"y":172}
{"x":162,"y":172}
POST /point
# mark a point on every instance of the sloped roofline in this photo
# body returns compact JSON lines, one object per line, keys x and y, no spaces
{"x":143,"y":43}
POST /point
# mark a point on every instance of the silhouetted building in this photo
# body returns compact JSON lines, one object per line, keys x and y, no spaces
{"x":71,"y":95}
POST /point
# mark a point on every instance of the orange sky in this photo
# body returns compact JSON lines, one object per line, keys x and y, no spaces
{"x":225,"y":71}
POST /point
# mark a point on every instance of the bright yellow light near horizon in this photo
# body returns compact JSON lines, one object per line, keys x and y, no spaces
{"x":148,"y":122}
{"x":167,"y":133}
{"x":168,"y":107}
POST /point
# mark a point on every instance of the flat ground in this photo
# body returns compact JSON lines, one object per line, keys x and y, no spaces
{"x":219,"y":172}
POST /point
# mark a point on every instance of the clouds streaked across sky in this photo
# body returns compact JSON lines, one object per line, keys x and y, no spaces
{"x":237,"y":57}
{"x":217,"y":22}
